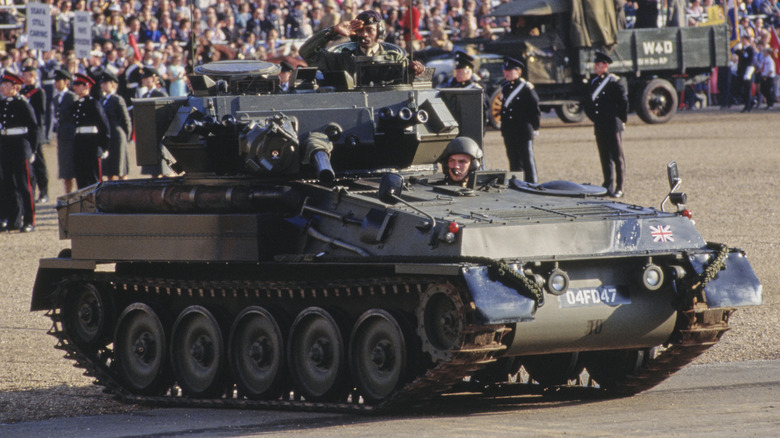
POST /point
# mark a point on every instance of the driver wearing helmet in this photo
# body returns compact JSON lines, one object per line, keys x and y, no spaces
{"x":460,"y":159}
{"x":365,"y":30}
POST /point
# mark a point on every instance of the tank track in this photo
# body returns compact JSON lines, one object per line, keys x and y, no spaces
{"x":698,"y":329}
{"x":481,"y":346}
{"x":703,"y":330}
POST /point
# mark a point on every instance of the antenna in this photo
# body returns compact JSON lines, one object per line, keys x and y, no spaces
{"x":411,"y":35}
{"x":192,"y":34}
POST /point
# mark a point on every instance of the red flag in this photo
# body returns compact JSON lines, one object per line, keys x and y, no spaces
{"x":134,"y":45}
{"x":774,"y":43}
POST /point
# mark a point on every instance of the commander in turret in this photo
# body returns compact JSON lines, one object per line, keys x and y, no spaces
{"x":459,"y":160}
{"x":365,"y":30}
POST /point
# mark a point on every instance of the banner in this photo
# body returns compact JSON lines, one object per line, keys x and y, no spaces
{"x":731,"y":12}
{"x":39,"y":26}
{"x":82,"y":34}
{"x":774,"y":43}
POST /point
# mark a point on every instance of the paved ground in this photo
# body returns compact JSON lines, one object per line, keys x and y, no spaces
{"x":714,"y":400}
{"x":728,"y":163}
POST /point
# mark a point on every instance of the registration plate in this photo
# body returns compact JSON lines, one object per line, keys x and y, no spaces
{"x":594,"y":296}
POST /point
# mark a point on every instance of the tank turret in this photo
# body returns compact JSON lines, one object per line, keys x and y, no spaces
{"x":309,"y":255}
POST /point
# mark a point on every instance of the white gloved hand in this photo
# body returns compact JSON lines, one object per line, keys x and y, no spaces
{"x":104,"y":156}
{"x":536,"y":134}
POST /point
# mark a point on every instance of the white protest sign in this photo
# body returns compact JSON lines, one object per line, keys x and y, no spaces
{"x":82,"y":34}
{"x":39,"y":26}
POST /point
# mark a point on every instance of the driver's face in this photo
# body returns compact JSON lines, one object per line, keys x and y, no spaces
{"x":458,"y":166}
{"x":367,"y":35}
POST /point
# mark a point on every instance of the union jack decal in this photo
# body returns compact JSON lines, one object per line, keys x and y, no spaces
{"x":662,"y":233}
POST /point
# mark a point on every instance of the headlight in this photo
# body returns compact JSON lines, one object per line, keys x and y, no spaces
{"x":652,"y":277}
{"x":557,"y":282}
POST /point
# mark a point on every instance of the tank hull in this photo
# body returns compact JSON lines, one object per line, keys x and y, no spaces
{"x":311,"y":256}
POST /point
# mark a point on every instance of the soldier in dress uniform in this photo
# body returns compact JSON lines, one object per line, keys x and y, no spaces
{"x":64,"y":127}
{"x":18,"y":137}
{"x":284,"y":77}
{"x":463,"y":77}
{"x":116,"y":166}
{"x":463,"y":74}
{"x":37,"y":99}
{"x":92,"y":133}
{"x":48,"y":65}
{"x":519,"y":119}
{"x":150,"y":79}
{"x":608,"y":109}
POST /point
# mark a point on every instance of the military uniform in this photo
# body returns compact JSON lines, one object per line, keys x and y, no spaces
{"x":18,"y":137}
{"x":607,"y":107}
{"x":117,"y":163}
{"x":91,"y":140}
{"x":65,"y":127}
{"x":314,"y":51}
{"x":37,"y":99}
{"x":519,"y":121}
{"x":453,"y":83}
{"x":161,"y":168}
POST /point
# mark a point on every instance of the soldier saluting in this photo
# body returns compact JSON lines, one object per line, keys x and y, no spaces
{"x":608,"y":109}
{"x":18,"y":137}
{"x":92,"y":133}
{"x":519,"y":119}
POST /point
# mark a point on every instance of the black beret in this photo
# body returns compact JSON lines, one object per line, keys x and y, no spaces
{"x":510,"y":63}
{"x":369,"y":16}
{"x":29,"y":68}
{"x":602,"y":57}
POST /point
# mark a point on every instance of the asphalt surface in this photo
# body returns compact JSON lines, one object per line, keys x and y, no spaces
{"x":728,"y":163}
{"x":715,"y":400}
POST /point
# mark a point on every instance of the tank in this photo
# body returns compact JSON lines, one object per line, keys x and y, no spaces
{"x":308,"y":255}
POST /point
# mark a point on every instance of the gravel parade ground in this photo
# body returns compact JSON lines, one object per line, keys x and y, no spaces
{"x":728,"y":163}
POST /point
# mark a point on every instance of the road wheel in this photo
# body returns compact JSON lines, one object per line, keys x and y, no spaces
{"x":570,"y":112}
{"x":197,"y":353}
{"x":316,"y":356}
{"x":257,"y":354}
{"x":494,"y":111}
{"x":140,"y":349}
{"x":440,"y":321}
{"x":656,"y":102}
{"x":86,"y":315}
{"x":553,"y":369}
{"x":610,"y":369}
{"x":377,"y":355}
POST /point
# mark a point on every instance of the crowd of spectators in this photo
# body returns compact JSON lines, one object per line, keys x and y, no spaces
{"x":158,"y":33}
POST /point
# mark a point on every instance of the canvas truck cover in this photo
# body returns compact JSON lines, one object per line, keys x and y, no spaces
{"x":592,"y":21}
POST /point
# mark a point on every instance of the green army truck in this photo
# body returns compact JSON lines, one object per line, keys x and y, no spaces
{"x":557,"y":40}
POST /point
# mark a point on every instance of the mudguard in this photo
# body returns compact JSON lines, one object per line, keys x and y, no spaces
{"x":735,"y":285}
{"x":495,"y":302}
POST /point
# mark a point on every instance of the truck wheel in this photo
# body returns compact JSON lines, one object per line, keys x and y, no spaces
{"x":656,"y":102}
{"x":570,"y":112}
{"x":494,"y":112}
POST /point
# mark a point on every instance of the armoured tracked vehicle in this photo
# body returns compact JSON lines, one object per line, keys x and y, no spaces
{"x":309,"y":256}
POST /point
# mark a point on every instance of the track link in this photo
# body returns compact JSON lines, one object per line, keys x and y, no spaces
{"x":481,"y":345}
